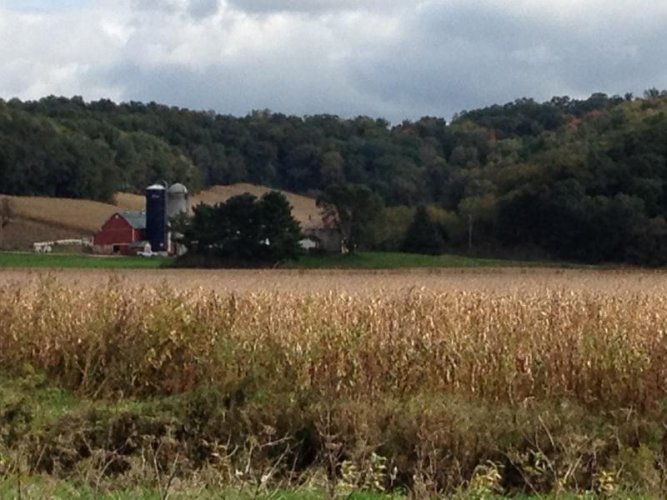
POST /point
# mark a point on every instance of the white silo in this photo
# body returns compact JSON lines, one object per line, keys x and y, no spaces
{"x":177,"y":199}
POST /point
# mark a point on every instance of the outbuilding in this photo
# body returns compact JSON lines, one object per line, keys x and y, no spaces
{"x":120,"y":233}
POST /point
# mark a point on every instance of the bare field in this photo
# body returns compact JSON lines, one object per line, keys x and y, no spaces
{"x":501,"y":281}
{"x":22,"y":233}
{"x":83,"y":216}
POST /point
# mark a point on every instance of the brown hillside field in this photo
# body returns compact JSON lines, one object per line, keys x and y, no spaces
{"x":77,"y":218}
{"x":130,"y":201}
{"x":304,"y":209}
{"x":82,"y":215}
{"x":21,"y":233}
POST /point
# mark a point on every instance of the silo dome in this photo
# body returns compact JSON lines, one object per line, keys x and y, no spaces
{"x":178,"y":188}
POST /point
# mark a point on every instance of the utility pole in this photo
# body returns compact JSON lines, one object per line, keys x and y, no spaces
{"x":469,"y":232}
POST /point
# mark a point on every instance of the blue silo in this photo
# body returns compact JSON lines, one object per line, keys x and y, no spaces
{"x":156,"y":217}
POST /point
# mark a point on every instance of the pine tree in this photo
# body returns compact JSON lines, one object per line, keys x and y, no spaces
{"x":423,"y":235}
{"x":243,"y":230}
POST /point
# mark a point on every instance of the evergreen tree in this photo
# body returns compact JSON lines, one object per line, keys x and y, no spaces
{"x":243,"y":230}
{"x":279,"y":228}
{"x":423,"y":235}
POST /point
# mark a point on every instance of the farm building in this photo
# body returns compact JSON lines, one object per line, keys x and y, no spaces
{"x":321,"y":238}
{"x":123,"y":234}
{"x":321,"y":235}
{"x":32,"y":220}
{"x":131,"y":232}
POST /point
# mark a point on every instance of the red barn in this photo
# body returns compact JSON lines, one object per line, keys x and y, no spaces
{"x":121,"y":234}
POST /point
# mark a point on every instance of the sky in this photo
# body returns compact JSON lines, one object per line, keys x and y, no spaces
{"x":396,"y":59}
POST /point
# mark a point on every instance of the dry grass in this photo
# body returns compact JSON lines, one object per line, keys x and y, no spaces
{"x":365,"y":283}
{"x":80,"y":215}
{"x":129,"y":201}
{"x":21,"y":233}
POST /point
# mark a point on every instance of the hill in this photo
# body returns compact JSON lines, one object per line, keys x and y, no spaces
{"x":82,"y":216}
{"x":39,"y":218}
{"x":573,"y":179}
{"x":304,"y":208}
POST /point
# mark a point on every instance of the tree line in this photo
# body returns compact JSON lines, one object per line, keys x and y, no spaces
{"x":575,"y":179}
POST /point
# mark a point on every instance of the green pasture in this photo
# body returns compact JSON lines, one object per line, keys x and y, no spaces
{"x":34,"y":260}
{"x":358,"y":260}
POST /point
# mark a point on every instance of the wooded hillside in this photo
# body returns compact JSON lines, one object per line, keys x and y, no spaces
{"x":568,"y":179}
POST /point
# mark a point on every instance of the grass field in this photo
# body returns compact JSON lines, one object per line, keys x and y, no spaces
{"x":463,"y":383}
{"x":33,"y":260}
{"x":397,"y":260}
{"x":360,"y":260}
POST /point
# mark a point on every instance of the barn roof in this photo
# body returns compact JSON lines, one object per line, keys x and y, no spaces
{"x":135,"y":219}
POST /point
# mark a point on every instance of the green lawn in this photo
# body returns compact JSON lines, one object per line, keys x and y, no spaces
{"x":397,"y":260}
{"x":360,"y":260}
{"x":20,"y":259}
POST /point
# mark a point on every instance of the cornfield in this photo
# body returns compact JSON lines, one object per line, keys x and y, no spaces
{"x":537,"y":360}
{"x":600,"y":350}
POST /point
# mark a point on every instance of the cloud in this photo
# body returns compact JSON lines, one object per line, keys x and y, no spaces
{"x":197,"y":9}
{"x":203,"y":8}
{"x":313,"y":7}
{"x":156,"y":6}
{"x":397,"y":59}
{"x":459,"y":55}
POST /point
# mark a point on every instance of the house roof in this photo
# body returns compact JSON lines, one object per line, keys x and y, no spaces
{"x":135,"y":219}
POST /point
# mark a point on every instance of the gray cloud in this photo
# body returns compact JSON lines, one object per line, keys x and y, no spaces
{"x":310,"y":6}
{"x":197,"y":9}
{"x":203,"y":8}
{"x":397,"y":59}
{"x":462,"y":55}
{"x":164,"y":6}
